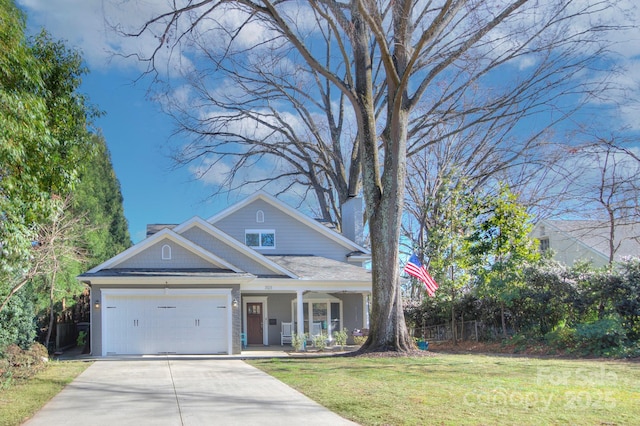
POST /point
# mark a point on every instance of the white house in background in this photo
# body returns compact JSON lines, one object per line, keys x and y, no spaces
{"x":573,"y":240}
{"x":197,"y":287}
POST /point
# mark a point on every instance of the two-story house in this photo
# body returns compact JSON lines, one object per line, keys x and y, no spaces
{"x":197,"y":287}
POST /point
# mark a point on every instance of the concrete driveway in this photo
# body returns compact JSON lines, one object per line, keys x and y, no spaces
{"x":180,"y":392}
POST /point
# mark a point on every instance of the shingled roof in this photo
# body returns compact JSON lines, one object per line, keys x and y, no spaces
{"x":321,"y":268}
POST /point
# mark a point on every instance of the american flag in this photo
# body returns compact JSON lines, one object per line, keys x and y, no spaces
{"x":416,"y":269}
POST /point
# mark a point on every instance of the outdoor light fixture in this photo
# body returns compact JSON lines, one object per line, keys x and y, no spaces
{"x":235,"y":302}
{"x":97,"y":304}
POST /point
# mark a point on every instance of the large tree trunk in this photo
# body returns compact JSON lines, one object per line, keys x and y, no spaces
{"x":385,"y":200}
{"x":384,"y":196}
{"x":388,"y":330}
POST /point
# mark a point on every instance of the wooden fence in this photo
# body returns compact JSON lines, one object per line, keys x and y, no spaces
{"x":469,"y":330}
{"x":438,"y":333}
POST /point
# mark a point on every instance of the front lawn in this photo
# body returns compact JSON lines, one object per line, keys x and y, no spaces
{"x":468,"y":389}
{"x":22,"y":400}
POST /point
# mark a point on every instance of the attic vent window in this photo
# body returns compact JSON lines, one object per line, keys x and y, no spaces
{"x":166,"y":252}
{"x":260,"y":238}
{"x":260,"y":216}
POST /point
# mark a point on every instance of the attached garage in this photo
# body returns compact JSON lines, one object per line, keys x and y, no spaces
{"x":166,"y":321}
{"x":203,"y":287}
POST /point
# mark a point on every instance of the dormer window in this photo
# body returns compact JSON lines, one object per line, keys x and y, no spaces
{"x":260,"y":238}
{"x":166,"y":252}
{"x":260,"y":216}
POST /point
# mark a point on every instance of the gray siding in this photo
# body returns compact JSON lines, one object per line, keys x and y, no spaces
{"x":281,"y":308}
{"x":225,"y":251}
{"x":180,"y":258}
{"x":352,"y":304}
{"x":292,"y":236}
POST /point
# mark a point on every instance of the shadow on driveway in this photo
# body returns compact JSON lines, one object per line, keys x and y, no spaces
{"x":180,"y":392}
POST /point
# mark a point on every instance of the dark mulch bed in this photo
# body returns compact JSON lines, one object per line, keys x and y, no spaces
{"x":354,"y":351}
{"x":363,"y":353}
{"x":392,"y":354}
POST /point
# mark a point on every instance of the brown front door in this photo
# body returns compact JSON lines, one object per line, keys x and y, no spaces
{"x":254,"y":323}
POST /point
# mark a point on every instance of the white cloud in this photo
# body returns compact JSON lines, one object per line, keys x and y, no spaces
{"x":96,"y":27}
{"x":247,"y":180}
{"x":628,"y":104}
{"x":85,"y":26}
{"x":89,"y":26}
{"x":209,"y":173}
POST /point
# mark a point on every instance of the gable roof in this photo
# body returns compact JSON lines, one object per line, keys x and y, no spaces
{"x":595,"y":236}
{"x":293,"y":213}
{"x":165,"y":235}
{"x":230,"y":241}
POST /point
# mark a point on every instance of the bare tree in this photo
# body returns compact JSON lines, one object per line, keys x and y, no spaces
{"x":58,"y":241}
{"x":603,"y":180}
{"x":291,"y":116}
{"x":419,"y":58}
{"x":60,"y":244}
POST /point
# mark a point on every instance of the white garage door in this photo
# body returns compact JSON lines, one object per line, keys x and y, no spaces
{"x":165,"y":324}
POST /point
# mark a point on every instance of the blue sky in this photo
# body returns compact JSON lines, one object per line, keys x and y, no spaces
{"x":137,"y":131}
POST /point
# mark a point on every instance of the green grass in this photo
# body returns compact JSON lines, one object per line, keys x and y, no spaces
{"x":22,"y":400}
{"x":467,"y":389}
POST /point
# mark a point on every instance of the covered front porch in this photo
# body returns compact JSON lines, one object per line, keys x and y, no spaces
{"x":267,"y":318}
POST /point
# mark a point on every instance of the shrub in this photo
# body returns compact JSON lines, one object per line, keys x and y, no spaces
{"x":359,"y":340}
{"x":82,"y":338}
{"x":21,"y":364}
{"x":519,"y":341}
{"x":561,"y":338}
{"x":320,"y":341}
{"x":298,"y":341}
{"x":17,"y":325}
{"x":600,"y":337}
{"x":340,"y":337}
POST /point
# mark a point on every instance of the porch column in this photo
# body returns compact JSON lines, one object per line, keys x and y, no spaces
{"x":365,"y":309}
{"x":300,"y":313}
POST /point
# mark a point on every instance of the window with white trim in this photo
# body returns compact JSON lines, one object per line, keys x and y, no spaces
{"x":260,"y":238}
{"x":166,"y":252}
{"x":323,"y":310}
{"x":260,"y":216}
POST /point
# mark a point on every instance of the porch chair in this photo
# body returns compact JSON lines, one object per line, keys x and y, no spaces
{"x":316,"y":329}
{"x":286,"y":333}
